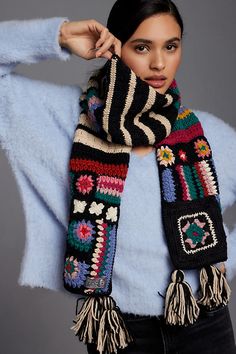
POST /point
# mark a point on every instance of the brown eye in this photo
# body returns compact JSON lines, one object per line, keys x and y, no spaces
{"x":140,"y":48}
{"x":171,"y":47}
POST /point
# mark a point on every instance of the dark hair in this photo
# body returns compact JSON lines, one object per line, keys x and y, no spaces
{"x":127,"y":15}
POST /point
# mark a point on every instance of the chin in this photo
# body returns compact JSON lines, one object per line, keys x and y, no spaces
{"x":161,"y":90}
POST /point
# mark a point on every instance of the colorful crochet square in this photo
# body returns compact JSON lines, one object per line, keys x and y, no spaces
{"x":84,"y":184}
{"x":103,"y":255}
{"x":197,"y":232}
{"x":183,"y":155}
{"x":168,"y":185}
{"x":79,"y":206}
{"x":165,"y":156}
{"x":96,"y":208}
{"x":202,"y":148}
{"x":75,"y":272}
{"x":207,"y":177}
{"x":109,"y":189}
{"x":111,"y":214}
{"x":94,"y":103}
{"x":80,"y":234}
{"x":186,"y":178}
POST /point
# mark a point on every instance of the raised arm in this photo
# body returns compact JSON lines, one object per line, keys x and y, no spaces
{"x":30,"y":41}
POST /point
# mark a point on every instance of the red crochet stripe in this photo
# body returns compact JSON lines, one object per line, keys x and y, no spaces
{"x":183,"y":136}
{"x":184,"y":184}
{"x":98,"y":167}
{"x":199,"y":171}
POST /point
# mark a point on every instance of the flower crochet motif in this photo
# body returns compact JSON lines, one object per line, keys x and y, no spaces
{"x":112,"y":214}
{"x":80,"y":234}
{"x":75,"y":272}
{"x":202,"y":148}
{"x":96,"y":208}
{"x":79,"y":206}
{"x":85,"y":184}
{"x":195,"y":233}
{"x":94,"y":102}
{"x":182,"y":155}
{"x":165,"y":156}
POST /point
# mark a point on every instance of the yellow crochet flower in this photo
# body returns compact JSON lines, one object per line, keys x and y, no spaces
{"x":165,"y":156}
{"x":202,"y":148}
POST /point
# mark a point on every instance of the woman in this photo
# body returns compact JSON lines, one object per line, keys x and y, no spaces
{"x":151,"y":44}
{"x":148,"y":57}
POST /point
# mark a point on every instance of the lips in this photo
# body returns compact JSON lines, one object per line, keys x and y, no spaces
{"x":156,"y":81}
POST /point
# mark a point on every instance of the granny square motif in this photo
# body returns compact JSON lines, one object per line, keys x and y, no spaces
{"x":196,"y":232}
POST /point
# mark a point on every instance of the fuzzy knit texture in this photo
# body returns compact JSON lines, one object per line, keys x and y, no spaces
{"x":44,"y":116}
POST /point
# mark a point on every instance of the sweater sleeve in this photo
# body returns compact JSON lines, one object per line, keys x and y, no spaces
{"x":30,"y":41}
{"x":222,"y":138}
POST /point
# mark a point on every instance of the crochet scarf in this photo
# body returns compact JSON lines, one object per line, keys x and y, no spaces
{"x":120,"y":111}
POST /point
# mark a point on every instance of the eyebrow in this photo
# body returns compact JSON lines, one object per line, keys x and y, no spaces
{"x":148,"y":41}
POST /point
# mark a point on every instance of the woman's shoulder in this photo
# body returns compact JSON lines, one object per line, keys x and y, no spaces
{"x":214,"y":125}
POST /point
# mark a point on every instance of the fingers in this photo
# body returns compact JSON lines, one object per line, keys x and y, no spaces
{"x":104,"y":35}
{"x":117,"y":47}
{"x":107,"y":44}
{"x":110,"y":46}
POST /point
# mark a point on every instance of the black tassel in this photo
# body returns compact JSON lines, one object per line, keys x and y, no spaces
{"x":112,"y":333}
{"x":100,"y":321}
{"x":215,"y":290}
{"x":87,"y":320}
{"x":180,"y":305}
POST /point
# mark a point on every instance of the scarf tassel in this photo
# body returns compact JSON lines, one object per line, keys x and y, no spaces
{"x":100,"y":321}
{"x":215,"y":290}
{"x":180,"y":305}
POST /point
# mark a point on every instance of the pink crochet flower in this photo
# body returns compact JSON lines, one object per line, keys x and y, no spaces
{"x":85,"y":184}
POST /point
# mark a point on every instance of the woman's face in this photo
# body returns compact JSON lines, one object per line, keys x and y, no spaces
{"x":154,"y":50}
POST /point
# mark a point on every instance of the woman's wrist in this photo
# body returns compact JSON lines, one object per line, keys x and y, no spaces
{"x":62,"y":34}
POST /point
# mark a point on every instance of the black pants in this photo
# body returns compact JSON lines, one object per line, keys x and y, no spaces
{"x":212,"y":333}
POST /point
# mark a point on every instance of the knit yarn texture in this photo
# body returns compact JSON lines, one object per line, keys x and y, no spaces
{"x":120,"y":111}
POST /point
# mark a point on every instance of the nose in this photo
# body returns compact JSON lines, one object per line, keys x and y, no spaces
{"x":157,"y":62}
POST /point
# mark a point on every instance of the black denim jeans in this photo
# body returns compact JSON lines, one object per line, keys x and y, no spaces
{"x":212,"y":333}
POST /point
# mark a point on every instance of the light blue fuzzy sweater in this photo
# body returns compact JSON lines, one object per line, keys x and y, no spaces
{"x":37,"y":123}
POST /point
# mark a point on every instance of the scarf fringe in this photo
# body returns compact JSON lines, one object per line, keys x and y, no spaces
{"x":181,"y":308}
{"x":100,"y":321}
{"x":87,"y":320}
{"x":180,"y":305}
{"x":214,"y":288}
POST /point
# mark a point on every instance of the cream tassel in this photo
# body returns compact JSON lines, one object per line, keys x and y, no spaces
{"x":112,"y":333}
{"x":100,"y":321}
{"x":214,"y":288}
{"x":180,"y":305}
{"x":87,"y":320}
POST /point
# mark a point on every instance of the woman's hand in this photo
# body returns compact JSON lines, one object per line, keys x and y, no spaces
{"x":88,"y":39}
